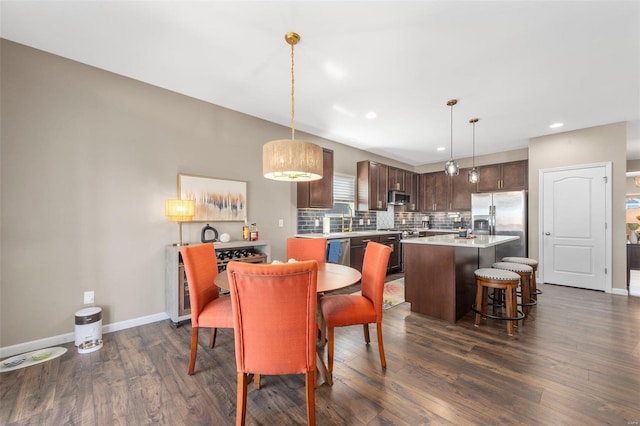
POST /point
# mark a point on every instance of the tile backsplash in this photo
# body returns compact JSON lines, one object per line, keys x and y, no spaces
{"x":310,"y":220}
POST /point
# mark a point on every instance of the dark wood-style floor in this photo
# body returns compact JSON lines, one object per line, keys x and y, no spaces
{"x":576,"y":361}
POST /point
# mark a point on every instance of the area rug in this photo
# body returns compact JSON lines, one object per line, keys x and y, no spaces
{"x":393,"y":293}
{"x":31,"y":358}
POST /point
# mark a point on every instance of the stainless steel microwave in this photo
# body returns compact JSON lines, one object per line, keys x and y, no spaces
{"x":398,"y":198}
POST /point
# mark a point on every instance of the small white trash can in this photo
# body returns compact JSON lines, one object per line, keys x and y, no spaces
{"x":88,"y":329}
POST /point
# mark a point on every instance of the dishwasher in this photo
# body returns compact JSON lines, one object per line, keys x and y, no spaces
{"x":343,"y":256}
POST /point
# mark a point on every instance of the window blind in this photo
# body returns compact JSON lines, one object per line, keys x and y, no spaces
{"x":344,"y":188}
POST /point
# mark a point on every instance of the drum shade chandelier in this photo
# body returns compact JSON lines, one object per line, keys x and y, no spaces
{"x":474,"y":174}
{"x":180,"y":211}
{"x":288,"y":159}
{"x":451,"y":167}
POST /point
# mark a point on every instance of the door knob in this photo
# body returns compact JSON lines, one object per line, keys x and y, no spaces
{"x":547,"y":233}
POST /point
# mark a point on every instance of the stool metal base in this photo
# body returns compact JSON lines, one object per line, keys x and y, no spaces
{"x":520,"y":316}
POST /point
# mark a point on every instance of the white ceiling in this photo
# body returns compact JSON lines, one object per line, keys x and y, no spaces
{"x":518,"y":66}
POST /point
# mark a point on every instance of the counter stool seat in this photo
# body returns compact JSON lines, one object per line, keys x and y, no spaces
{"x":501,"y":279}
{"x":526,"y":274}
{"x":534,"y":264}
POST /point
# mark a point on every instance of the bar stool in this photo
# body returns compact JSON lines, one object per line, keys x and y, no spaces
{"x":534,"y":264}
{"x":526,"y":273}
{"x":500,"y":279}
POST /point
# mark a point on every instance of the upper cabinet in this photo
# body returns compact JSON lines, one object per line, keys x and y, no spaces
{"x":504,"y":176}
{"x":372,"y":185}
{"x":411,"y":188}
{"x":318,"y":194}
{"x":397,"y":179}
{"x":434,"y":192}
{"x":461,"y":190}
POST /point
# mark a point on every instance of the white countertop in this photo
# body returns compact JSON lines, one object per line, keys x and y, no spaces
{"x":480,"y":241}
{"x":336,"y":235}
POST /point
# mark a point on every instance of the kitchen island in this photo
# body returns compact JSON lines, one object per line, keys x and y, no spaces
{"x":439,"y":278}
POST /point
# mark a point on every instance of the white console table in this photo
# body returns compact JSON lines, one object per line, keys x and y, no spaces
{"x":176,"y":288}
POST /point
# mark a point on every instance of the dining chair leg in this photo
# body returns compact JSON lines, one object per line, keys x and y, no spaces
{"x":365,"y":327}
{"x":330,"y":352}
{"x":241,"y":401}
{"x":383,"y":360}
{"x":310,"y":377}
{"x":256,"y":381}
{"x":194,"y":350}
{"x":213,"y":332}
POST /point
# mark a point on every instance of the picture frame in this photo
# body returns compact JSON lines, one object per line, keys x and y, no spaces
{"x":217,"y":200}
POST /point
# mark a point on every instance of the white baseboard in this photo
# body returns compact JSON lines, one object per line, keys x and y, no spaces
{"x":71,"y":337}
{"x":620,"y":291}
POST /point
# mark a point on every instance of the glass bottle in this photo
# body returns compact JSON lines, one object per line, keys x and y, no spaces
{"x":253,"y":232}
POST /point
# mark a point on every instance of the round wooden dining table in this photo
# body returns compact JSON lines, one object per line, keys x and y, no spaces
{"x":331,"y":276}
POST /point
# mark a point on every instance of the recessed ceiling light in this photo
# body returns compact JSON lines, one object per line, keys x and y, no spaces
{"x":370,"y":115}
{"x":556,"y":125}
{"x":334,"y":71}
{"x":440,"y":148}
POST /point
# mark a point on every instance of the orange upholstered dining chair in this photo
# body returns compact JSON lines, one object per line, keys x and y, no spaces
{"x":307,"y":249}
{"x":274,"y":317}
{"x":208,"y":309}
{"x":347,"y":309}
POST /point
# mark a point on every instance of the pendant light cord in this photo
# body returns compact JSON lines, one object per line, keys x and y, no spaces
{"x":293,"y":112}
{"x":452,"y":132}
{"x":473,"y":122}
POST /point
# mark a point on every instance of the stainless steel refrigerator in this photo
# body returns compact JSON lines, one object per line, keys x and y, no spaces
{"x":501,"y":213}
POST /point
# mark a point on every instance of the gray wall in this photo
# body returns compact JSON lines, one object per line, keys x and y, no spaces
{"x":587,"y":146}
{"x":87,"y":159}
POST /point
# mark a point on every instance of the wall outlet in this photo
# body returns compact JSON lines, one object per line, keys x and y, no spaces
{"x":368,"y":221}
{"x":89,"y":297}
{"x":317,"y":222}
{"x":404,"y":221}
{"x":361,"y":222}
{"x":280,"y":223}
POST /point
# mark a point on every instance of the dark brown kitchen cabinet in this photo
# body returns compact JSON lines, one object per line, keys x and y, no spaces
{"x":372,"y":185}
{"x":633,"y":260}
{"x":434,"y":192}
{"x":358,"y":245}
{"x":411,"y":188}
{"x":396,"y":179}
{"x":318,"y":194}
{"x":504,"y":176}
{"x":461,"y":191}
{"x":393,"y":241}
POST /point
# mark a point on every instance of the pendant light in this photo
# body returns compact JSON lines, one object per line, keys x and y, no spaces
{"x":451,"y":167}
{"x":474,"y":174}
{"x":288,"y":159}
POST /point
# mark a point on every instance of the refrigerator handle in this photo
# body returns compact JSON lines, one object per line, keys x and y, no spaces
{"x":492,"y":220}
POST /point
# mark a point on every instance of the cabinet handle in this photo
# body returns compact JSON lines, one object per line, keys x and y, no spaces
{"x":366,"y":241}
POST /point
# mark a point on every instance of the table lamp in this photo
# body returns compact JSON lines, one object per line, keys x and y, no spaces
{"x":180,"y":211}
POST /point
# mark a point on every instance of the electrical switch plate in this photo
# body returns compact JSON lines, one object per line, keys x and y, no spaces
{"x":368,"y":221}
{"x":361,"y":222}
{"x":280,"y":223}
{"x":404,"y":221}
{"x":317,"y":222}
{"x":89,"y":297}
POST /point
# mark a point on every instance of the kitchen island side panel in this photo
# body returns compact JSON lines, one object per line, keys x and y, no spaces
{"x":440,"y":280}
{"x":430,"y":280}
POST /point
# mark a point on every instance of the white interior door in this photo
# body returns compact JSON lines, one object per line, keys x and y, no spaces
{"x":574,"y":226}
